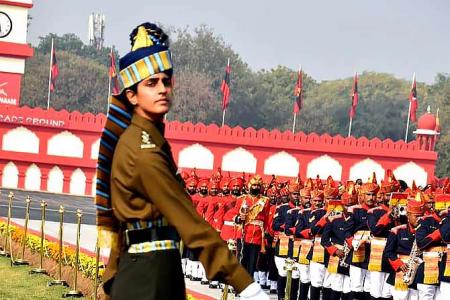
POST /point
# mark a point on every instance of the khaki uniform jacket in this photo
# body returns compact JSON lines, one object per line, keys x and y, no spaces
{"x":145,"y":186}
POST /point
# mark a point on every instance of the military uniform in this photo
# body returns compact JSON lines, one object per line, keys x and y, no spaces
{"x":397,"y":251}
{"x":284,"y":245}
{"x":359,"y":259}
{"x":140,"y":196}
{"x":429,"y":240}
{"x":161,"y":203}
{"x":334,"y":237}
{"x":253,"y":230}
{"x":310,"y":228}
{"x":380,"y":222}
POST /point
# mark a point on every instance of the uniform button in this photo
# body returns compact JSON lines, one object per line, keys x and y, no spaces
{"x":134,"y":259}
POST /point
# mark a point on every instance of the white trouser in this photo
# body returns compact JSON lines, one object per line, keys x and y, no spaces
{"x":317,"y":273}
{"x":427,"y":292}
{"x":327,"y":280}
{"x":279,"y":263}
{"x":201,"y":272}
{"x":187,"y":267}
{"x":443,"y":291}
{"x":357,"y":276}
{"x":256,"y":276}
{"x":262,"y":278}
{"x":410,"y":294}
{"x":379,"y":288}
{"x":304,"y":273}
{"x":337,"y":282}
{"x":183,"y":264}
{"x":195,"y":269}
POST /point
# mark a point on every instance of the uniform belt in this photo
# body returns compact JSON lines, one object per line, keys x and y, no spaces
{"x":137,"y":236}
{"x":257,"y":223}
{"x":229,"y":223}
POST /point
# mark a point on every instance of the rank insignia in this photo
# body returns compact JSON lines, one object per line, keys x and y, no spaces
{"x":146,"y":141}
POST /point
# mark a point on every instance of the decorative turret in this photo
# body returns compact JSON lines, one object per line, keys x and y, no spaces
{"x":427,"y":132}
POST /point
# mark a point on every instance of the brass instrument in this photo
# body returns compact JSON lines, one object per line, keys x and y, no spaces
{"x":74,"y":292}
{"x":7,"y":242}
{"x":289,"y":266}
{"x":362,"y":239}
{"x":413,"y":264}
{"x":41,"y":270}
{"x":22,"y":260}
{"x":60,"y":281}
{"x":346,"y":251}
{"x":398,"y":211}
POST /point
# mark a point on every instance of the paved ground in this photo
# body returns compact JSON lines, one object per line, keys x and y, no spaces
{"x":88,"y":233}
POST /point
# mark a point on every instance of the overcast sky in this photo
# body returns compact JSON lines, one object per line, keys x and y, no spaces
{"x":330,"y":39}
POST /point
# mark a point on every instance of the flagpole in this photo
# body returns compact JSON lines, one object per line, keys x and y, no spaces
{"x":350,"y":127}
{"x":409,"y":112}
{"x":223,"y":117}
{"x":50,"y":77}
{"x":293,"y":125}
{"x":407,"y":122}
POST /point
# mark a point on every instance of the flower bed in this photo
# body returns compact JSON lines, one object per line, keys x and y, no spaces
{"x":86,"y":266}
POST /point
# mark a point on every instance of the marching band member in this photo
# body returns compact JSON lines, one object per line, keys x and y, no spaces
{"x":401,"y":251}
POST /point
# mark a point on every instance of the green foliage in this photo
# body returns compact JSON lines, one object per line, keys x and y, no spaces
{"x":260,"y":99}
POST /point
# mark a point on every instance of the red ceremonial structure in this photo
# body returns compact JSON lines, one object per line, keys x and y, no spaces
{"x":58,"y":150}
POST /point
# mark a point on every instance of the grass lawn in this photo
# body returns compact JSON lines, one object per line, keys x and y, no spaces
{"x":16,"y":283}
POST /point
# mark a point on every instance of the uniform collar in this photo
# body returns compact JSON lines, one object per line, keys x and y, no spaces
{"x":154,"y":129}
{"x":365,"y":206}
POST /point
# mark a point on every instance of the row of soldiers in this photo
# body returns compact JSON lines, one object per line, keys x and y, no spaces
{"x":318,"y":239}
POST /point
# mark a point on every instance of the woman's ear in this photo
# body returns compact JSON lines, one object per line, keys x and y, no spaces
{"x":131,"y":96}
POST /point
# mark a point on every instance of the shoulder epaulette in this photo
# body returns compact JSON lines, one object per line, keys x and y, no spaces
{"x":352,"y":208}
{"x":397,"y":228}
{"x":292,"y":209}
{"x":374,"y":209}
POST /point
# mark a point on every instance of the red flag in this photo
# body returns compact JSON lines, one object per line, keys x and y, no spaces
{"x":298,"y":92}
{"x":54,"y":71}
{"x":225,"y":88}
{"x":355,"y":97}
{"x":113,"y":73}
{"x":413,"y":100}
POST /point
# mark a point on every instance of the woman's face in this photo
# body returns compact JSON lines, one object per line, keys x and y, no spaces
{"x":153,"y":97}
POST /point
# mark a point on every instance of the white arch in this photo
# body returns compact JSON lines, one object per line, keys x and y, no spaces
{"x":33,"y":178}
{"x":77,"y":182}
{"x":55,"y":181}
{"x":94,"y":149}
{"x":196,"y":156}
{"x":239,"y":160}
{"x":281,"y":164}
{"x":324,"y":166}
{"x":364,"y":170}
{"x":10,"y":177}
{"x":21,"y":139}
{"x":411,"y":171}
{"x":65,"y":144}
